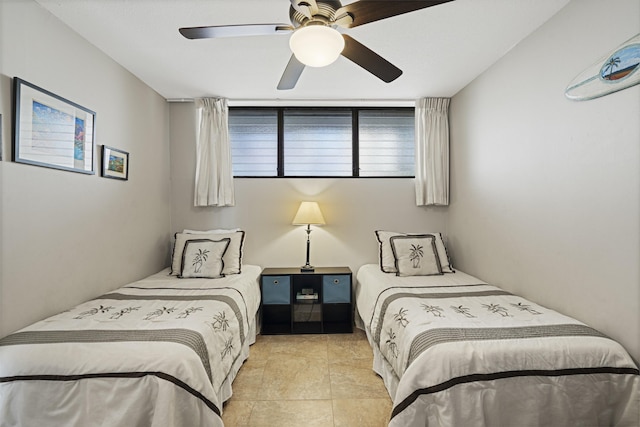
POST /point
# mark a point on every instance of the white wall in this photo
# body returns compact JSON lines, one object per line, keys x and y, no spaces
{"x":546,"y":191}
{"x":353,"y":209}
{"x":68,"y":237}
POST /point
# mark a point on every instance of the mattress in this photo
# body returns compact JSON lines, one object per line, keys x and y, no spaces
{"x":160,"y":351}
{"x":454,"y":350}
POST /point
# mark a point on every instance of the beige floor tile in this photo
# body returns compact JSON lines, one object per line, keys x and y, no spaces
{"x":236,"y":413}
{"x":293,"y":413}
{"x":295,"y":377}
{"x":361,"y":412}
{"x":350,"y":382}
{"x":355,"y":352}
{"x":310,"y":346}
{"x":259,"y":351}
{"x":248,"y":383}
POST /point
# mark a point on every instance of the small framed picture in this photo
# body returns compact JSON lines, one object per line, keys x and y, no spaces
{"x":115,"y":163}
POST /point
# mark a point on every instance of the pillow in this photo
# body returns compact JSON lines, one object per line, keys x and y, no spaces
{"x":202,"y":258}
{"x":232,"y":257}
{"x":387,"y":261}
{"x":415,"y":255}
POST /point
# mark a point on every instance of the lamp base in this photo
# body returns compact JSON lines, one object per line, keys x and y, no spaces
{"x":307,"y":269}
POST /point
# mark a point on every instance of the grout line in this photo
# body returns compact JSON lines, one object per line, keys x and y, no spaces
{"x":333,"y":414}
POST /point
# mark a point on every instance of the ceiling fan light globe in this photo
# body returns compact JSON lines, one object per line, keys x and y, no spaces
{"x":316,"y":45}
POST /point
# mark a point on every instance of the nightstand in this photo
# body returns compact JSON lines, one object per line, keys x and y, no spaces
{"x":295,"y":302}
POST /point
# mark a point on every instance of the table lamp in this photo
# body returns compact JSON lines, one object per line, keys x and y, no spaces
{"x":308,"y":213}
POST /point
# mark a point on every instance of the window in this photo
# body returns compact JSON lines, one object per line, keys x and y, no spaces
{"x":317,"y":143}
{"x":254,"y":142}
{"x":386,"y":142}
{"x":322,"y":142}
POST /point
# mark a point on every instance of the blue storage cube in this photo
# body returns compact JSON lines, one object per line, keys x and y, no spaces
{"x":276,"y":290}
{"x":336,"y":289}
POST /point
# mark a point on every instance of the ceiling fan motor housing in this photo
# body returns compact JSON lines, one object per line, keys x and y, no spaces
{"x":325,"y":15}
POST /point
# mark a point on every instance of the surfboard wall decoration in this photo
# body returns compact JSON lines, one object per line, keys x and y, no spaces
{"x":616,"y":71}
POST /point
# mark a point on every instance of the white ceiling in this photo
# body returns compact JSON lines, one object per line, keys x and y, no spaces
{"x":440,"y":49}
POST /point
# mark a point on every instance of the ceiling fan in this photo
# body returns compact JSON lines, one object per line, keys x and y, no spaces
{"x":316,"y":42}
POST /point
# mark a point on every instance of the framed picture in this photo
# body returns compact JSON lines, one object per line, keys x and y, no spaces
{"x":617,"y":70}
{"x":52,"y":131}
{"x":115,"y":163}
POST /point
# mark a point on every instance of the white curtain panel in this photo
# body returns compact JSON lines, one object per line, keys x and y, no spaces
{"x":214,"y":173}
{"x":432,"y":151}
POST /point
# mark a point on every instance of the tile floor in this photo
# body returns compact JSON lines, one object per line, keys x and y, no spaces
{"x":308,"y":381}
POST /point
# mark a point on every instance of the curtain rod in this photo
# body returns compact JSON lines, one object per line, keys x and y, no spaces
{"x":310,"y":102}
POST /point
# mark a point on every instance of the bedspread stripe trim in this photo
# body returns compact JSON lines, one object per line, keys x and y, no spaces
{"x":508,"y":374}
{"x":222,"y":298}
{"x":217,"y":288}
{"x":186,"y":337}
{"x":160,"y":375}
{"x":427,"y":339}
{"x":392,"y":298}
{"x":392,"y":288}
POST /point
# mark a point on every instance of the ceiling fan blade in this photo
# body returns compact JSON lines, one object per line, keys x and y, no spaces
{"x":306,"y":7}
{"x":365,"y":11}
{"x":369,"y":60}
{"x":234,"y":31}
{"x":291,"y":74}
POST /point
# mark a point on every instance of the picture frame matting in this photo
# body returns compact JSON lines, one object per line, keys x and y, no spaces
{"x":51,"y":131}
{"x":115,"y":163}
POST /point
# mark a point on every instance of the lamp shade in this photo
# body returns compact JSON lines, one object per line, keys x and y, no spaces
{"x":309,"y":213}
{"x":316,"y":45}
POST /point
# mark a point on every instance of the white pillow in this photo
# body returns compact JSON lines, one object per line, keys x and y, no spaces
{"x":202,"y":258}
{"x":415,"y":255}
{"x":232,"y":257}
{"x":388,"y":262}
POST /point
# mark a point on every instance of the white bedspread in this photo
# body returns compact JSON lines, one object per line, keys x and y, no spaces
{"x":158,"y":352}
{"x":455,"y":351}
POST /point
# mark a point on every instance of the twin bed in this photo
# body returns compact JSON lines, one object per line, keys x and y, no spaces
{"x":455,"y":351}
{"x":451,"y":349}
{"x":162,"y":351}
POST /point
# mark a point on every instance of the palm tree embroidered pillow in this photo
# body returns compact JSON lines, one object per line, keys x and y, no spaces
{"x":415,"y":255}
{"x":232,"y":258}
{"x":387,"y":260}
{"x":202,"y":258}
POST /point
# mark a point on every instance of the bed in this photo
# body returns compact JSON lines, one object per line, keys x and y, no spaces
{"x":455,"y":351}
{"x":162,"y":351}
